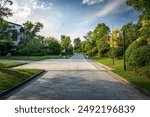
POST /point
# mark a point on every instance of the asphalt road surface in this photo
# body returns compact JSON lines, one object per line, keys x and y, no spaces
{"x":74,"y":79}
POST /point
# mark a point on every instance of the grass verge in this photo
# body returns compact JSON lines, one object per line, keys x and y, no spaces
{"x":9,"y":64}
{"x":131,"y":76}
{"x":34,"y":58}
{"x":12,"y":77}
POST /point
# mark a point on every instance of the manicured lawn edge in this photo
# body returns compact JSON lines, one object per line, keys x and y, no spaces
{"x":20,"y":84}
{"x":120,"y":78}
{"x":35,"y":58}
{"x":17,"y":65}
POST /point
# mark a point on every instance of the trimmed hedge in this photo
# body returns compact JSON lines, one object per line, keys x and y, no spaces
{"x":138,"y":54}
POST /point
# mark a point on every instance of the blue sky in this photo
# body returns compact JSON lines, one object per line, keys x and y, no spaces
{"x":72,"y":17}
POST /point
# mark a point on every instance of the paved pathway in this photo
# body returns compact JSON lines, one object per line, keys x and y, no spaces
{"x":74,"y":78}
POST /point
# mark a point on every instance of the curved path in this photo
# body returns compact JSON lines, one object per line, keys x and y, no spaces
{"x":74,"y":78}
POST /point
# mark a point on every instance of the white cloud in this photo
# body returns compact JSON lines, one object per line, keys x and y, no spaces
{"x":24,"y":8}
{"x":109,"y":8}
{"x":91,"y":2}
{"x":28,"y":10}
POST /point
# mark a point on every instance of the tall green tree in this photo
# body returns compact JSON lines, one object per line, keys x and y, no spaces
{"x":32,"y":43}
{"x":7,"y":31}
{"x":131,"y":32}
{"x":32,"y":29}
{"x":77,"y":45}
{"x":54,"y":47}
{"x":66,"y":44}
{"x":100,"y":36}
{"x":142,"y":6}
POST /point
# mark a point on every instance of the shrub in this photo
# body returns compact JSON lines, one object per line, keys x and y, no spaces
{"x":138,"y":53}
{"x":144,"y":72}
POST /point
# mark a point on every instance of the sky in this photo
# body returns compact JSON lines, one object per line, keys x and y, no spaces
{"x":73,"y":18}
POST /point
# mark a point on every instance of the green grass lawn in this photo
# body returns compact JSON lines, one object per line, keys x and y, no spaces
{"x":9,"y":64}
{"x":12,"y":77}
{"x":131,"y":76}
{"x":35,"y":58}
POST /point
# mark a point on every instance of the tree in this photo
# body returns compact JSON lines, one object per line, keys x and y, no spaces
{"x":77,"y":45}
{"x":7,"y":31}
{"x":5,"y":11}
{"x":144,"y":29}
{"x":143,"y":6}
{"x":66,"y":44}
{"x":32,"y":29}
{"x":132,"y":33}
{"x":5,"y":47}
{"x":100,"y":36}
{"x":32,"y":43}
{"x":53,"y":46}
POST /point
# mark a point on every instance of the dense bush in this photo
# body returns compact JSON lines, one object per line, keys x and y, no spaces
{"x":138,"y":53}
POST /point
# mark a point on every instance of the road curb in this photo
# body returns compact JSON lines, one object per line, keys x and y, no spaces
{"x":20,"y":84}
{"x":143,"y":91}
{"x":106,"y":67}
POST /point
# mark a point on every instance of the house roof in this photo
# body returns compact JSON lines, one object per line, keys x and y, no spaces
{"x":15,"y":24}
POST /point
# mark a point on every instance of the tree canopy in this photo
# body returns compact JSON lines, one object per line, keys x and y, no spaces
{"x":5,"y":11}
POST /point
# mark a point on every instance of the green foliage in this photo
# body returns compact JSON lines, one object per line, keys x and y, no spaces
{"x":7,"y":31}
{"x":102,"y":46}
{"x":70,"y":49}
{"x":65,"y":41}
{"x":94,"y":51}
{"x":31,"y":29}
{"x":143,"y":6}
{"x":77,"y":45}
{"x":118,"y":52}
{"x":96,"y":42}
{"x":131,"y":33}
{"x":5,"y":11}
{"x":5,"y":47}
{"x":89,"y":53}
{"x":53,"y":46}
{"x":144,"y":25}
{"x":66,"y":44}
{"x":144,"y":71}
{"x":138,"y":53}
{"x":34,"y":47}
{"x":33,"y":43}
